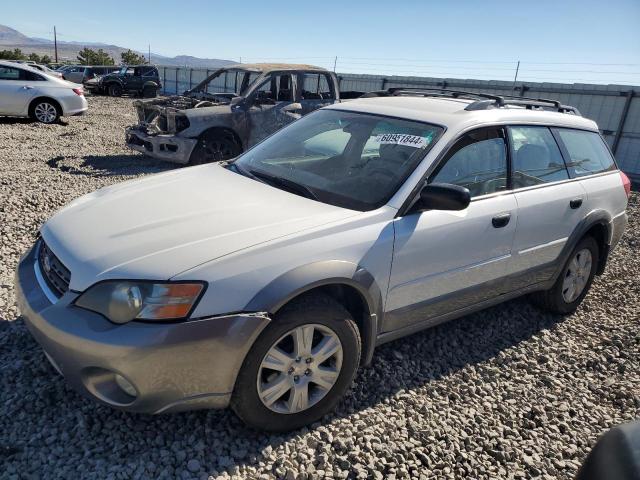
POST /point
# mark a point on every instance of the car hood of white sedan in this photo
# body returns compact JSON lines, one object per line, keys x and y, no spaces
{"x":162,"y":225}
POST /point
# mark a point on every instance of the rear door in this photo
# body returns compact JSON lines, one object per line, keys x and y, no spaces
{"x":550,"y":205}
{"x":590,"y":160}
{"x":316,"y":91}
{"x":17,"y":88}
{"x":447,"y":260}
{"x":267,"y":112}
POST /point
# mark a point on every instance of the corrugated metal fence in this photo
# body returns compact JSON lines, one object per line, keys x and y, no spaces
{"x":616,"y":108}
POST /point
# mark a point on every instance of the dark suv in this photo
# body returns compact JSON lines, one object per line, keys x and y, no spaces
{"x":142,"y":80}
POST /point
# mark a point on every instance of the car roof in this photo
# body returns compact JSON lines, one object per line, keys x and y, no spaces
{"x":450,"y":112}
{"x":268,"y":67}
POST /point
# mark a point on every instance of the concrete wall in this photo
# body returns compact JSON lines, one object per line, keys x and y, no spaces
{"x":616,"y":108}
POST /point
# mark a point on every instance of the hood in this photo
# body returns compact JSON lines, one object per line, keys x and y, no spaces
{"x":161,"y":225}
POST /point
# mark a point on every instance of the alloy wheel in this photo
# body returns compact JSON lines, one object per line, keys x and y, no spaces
{"x":45,"y":112}
{"x":299,"y":369}
{"x":577,"y":275}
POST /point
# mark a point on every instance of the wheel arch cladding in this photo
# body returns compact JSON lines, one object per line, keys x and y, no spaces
{"x":597,"y":224}
{"x":350,"y":285}
{"x":53,"y":101}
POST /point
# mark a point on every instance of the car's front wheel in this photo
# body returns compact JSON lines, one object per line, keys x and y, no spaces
{"x":46,"y":111}
{"x":300,"y":366}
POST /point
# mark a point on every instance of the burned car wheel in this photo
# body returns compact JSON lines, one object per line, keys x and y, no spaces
{"x":115,"y":90}
{"x":149,"y":92}
{"x":215,"y":147}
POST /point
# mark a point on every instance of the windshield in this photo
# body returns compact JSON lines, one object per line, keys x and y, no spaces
{"x":347,"y":159}
{"x":236,"y":81}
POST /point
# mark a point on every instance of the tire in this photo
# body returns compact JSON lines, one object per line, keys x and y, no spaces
{"x":561,"y":298}
{"x":45,"y":111}
{"x":324,"y":320}
{"x":215,"y":147}
{"x":149,"y":92}
{"x":114,"y":90}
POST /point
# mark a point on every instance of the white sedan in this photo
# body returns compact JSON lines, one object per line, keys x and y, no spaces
{"x":27,"y":92}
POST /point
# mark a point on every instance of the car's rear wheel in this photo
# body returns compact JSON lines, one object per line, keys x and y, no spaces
{"x":149,"y":92}
{"x":115,"y":90}
{"x":300,"y":366}
{"x":574,"y":281}
{"x":215,"y":147}
{"x":46,"y":111}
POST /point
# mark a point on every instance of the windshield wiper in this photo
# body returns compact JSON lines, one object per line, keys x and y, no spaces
{"x":285,"y":184}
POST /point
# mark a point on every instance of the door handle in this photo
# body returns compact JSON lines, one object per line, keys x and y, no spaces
{"x":27,"y":87}
{"x":575,"y":203}
{"x":501,"y":220}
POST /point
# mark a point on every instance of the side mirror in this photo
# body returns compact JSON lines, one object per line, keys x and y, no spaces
{"x":444,"y":196}
{"x":292,"y":107}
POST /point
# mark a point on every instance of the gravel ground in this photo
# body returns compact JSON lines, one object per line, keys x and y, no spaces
{"x":509,"y":392}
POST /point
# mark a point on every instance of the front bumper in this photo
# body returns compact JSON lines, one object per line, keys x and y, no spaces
{"x":172,"y":366}
{"x":162,"y":146}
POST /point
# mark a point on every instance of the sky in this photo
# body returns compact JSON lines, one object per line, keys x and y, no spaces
{"x":575,"y":41}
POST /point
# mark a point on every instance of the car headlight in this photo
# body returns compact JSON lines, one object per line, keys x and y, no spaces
{"x":123,"y":301}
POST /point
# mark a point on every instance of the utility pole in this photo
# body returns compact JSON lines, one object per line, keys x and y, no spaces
{"x":516,"y":77}
{"x":149,"y":57}
{"x":55,"y":42}
{"x":335,"y":61}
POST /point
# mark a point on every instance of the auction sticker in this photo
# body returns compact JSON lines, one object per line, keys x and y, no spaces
{"x":401,"y":139}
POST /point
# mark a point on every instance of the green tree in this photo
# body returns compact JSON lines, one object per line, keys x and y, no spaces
{"x":34,"y":57}
{"x":15,"y":54}
{"x":132,"y":58}
{"x":45,"y":59}
{"x":88,"y":56}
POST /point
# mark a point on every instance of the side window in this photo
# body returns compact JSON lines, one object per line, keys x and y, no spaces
{"x":536,"y":157}
{"x":587,"y":152}
{"x":9,"y":73}
{"x":316,"y":86}
{"x":278,"y":88}
{"x":30,"y":76}
{"x":478,"y":161}
{"x":149,"y":72}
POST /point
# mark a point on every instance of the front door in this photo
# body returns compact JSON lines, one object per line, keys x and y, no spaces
{"x":267,"y":112}
{"x":446,"y":260}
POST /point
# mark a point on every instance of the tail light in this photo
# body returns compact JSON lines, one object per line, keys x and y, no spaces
{"x":78,"y":91}
{"x":626,"y":183}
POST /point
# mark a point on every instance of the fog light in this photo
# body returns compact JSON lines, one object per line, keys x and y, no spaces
{"x":126,"y":385}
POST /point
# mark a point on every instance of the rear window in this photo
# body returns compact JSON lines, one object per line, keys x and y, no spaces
{"x":587,"y":152}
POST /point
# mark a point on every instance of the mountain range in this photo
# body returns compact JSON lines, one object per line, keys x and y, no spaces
{"x":68,"y":51}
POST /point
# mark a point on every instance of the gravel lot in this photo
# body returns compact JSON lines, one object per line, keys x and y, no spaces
{"x":506,"y":393}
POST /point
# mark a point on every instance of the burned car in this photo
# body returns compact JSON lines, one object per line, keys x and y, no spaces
{"x":230,"y":111}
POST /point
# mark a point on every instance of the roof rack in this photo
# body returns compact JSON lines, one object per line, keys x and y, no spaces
{"x":485,"y":101}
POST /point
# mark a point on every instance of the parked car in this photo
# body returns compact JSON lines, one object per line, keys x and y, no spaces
{"x":47,"y":70}
{"x":141,"y":80}
{"x":264,"y":283}
{"x":26,"y":92}
{"x":82,"y":73}
{"x":231,"y":110}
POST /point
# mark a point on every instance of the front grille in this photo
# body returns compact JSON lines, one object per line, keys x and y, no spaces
{"x":54,"y":272}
